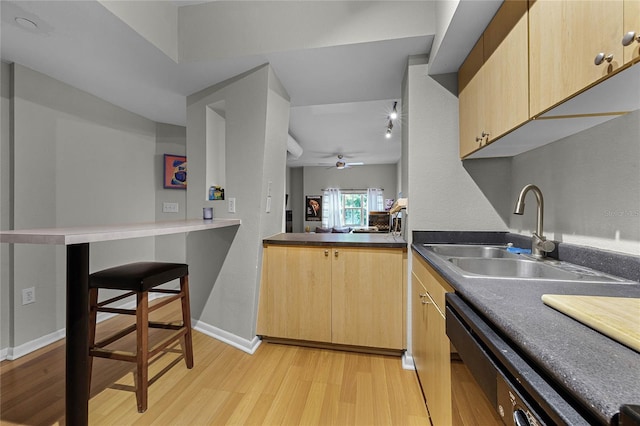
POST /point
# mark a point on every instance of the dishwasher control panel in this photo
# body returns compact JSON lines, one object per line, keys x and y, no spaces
{"x":512,"y":408}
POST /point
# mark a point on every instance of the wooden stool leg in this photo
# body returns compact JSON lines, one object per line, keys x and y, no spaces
{"x":93,"y":302}
{"x":142,"y":333}
{"x":186,"y":320}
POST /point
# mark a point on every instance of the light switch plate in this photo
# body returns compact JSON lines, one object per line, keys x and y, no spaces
{"x":232,"y":205}
{"x":28,"y":295}
{"x":170,"y":207}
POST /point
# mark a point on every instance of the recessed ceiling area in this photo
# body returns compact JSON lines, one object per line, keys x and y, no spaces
{"x":341,"y":92}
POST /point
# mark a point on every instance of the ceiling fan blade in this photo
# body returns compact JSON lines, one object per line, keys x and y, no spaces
{"x":360,"y":163}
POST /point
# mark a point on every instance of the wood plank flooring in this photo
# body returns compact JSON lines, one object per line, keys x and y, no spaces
{"x":278,"y":385}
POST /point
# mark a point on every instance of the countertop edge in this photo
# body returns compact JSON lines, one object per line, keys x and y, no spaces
{"x":337,"y":239}
{"x":481,"y":299}
{"x":91,"y":234}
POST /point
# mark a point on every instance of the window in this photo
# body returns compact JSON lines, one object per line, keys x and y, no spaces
{"x":355,"y":209}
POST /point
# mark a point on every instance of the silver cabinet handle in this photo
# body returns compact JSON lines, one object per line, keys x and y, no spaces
{"x":335,"y":253}
{"x":326,"y":252}
{"x":485,"y":134}
{"x":602,"y":57}
{"x":630,"y":37}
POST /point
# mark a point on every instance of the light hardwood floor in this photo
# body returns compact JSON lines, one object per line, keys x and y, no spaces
{"x":278,"y":385}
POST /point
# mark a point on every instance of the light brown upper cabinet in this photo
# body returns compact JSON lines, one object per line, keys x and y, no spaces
{"x":632,"y":25}
{"x":470,"y":96}
{"x":565,"y":37}
{"x":493,"y":80}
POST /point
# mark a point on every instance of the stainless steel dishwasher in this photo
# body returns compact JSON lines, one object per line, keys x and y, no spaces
{"x":520,"y":393}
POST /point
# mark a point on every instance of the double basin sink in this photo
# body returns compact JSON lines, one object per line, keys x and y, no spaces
{"x":496,"y":261}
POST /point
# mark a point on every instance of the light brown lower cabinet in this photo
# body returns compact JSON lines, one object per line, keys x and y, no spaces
{"x":333,"y":294}
{"x":431,"y":347}
{"x":452,"y":395}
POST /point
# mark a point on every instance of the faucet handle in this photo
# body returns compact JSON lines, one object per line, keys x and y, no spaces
{"x":547,"y":245}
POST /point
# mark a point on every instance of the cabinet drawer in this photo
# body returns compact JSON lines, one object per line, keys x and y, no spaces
{"x":432,"y":281}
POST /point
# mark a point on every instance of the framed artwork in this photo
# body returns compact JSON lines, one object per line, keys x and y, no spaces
{"x":175,"y":171}
{"x":313,"y":208}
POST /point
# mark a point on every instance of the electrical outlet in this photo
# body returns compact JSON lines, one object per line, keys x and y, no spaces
{"x":28,"y":295}
{"x":232,"y":205}
{"x":170,"y":208}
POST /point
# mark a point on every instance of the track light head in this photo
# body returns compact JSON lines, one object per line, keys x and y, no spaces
{"x":394,"y":112}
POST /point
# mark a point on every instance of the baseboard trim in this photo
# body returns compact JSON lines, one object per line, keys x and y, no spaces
{"x":407,"y":362}
{"x":12,"y":353}
{"x":33,"y":345}
{"x":248,"y":346}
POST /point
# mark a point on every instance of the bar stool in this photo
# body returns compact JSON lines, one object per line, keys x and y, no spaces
{"x":139,"y":279}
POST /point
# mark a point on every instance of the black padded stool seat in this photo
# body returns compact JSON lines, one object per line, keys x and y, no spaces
{"x":140,"y":276}
{"x":139,"y":279}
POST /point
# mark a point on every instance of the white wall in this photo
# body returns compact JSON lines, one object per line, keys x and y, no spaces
{"x":225,"y":264}
{"x":357,"y":177}
{"x":227,"y":29}
{"x":77,"y":160}
{"x":170,"y":139}
{"x":442,"y":195}
{"x":156,"y":21}
{"x":591,"y":186}
{"x":6,"y":291}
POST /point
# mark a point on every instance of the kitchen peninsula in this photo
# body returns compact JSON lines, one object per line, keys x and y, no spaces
{"x":335,"y":289}
{"x":77,"y":241}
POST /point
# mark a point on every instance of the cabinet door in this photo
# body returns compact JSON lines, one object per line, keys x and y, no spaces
{"x":437,"y":389}
{"x":470,"y":100}
{"x":296,"y":296}
{"x":506,"y":70}
{"x":367,"y":297}
{"x":564,"y":38}
{"x":419,"y":341}
{"x":631,"y":23}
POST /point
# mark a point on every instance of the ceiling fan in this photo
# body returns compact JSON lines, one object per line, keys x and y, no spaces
{"x":344,"y":165}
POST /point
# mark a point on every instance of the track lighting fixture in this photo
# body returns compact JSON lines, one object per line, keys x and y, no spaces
{"x":392,"y":116}
{"x":394,"y":112}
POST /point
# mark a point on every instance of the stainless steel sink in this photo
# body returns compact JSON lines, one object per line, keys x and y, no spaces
{"x":494,"y":261}
{"x":465,"y":250}
{"x":522,"y":268}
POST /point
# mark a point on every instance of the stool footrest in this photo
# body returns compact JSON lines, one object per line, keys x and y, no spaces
{"x":111,"y":354}
{"x":120,"y":311}
{"x":115,"y":299}
{"x":130,"y":356}
{"x":177,"y":325}
{"x":160,"y":302}
{"x":115,"y":336}
{"x":164,"y":290}
{"x":167,"y":341}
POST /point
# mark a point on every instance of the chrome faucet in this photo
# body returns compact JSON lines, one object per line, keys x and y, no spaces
{"x":539,"y":244}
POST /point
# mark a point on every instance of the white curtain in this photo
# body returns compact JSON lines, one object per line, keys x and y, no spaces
{"x":375,"y":201}
{"x":332,"y":208}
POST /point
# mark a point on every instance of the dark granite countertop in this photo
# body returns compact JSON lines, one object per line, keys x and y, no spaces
{"x":601,"y":373}
{"x":378,"y":240}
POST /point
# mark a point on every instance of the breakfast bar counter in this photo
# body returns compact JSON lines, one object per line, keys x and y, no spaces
{"x":77,"y":240}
